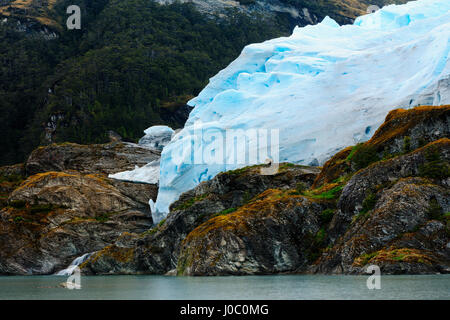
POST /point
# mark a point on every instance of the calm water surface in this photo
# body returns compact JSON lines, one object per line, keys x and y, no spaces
{"x":249,"y":287}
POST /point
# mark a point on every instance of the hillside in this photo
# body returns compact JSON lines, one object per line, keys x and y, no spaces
{"x":133,"y":64}
{"x":383,"y":202}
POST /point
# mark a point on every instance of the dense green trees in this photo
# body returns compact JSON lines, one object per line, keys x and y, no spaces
{"x":132,"y":62}
{"x":130,"y":59}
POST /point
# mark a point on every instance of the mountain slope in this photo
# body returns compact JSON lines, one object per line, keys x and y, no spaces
{"x":133,"y":64}
{"x":323,"y":88}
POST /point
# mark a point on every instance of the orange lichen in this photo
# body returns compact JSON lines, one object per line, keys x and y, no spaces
{"x":265,"y":204}
{"x":34,"y":179}
{"x":120,"y":254}
{"x":399,"y":121}
{"x":333,"y":168}
{"x":395,"y":256}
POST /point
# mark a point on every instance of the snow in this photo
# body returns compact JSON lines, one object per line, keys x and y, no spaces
{"x":324,"y":88}
{"x":145,"y":174}
{"x":156,"y":137}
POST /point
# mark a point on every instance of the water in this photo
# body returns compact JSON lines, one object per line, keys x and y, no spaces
{"x":250,"y":287}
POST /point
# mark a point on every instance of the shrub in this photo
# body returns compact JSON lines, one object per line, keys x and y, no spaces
{"x":434,"y":167}
{"x":406,"y":144}
{"x":363,"y":156}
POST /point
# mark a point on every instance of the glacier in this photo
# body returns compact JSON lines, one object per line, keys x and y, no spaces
{"x":323,"y":88}
{"x":156,"y":138}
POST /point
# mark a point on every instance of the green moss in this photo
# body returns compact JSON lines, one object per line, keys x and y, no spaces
{"x":320,"y":236}
{"x":365,"y":258}
{"x":352,"y":153}
{"x":434,"y":166}
{"x":287,"y":165}
{"x":317,"y":244}
{"x":434,"y":210}
{"x":154,"y":229}
{"x":367,"y":205}
{"x":300,"y":187}
{"x":102,"y":218}
{"x":326,"y":216}
{"x":406,"y":144}
{"x":327,"y":195}
{"x":224,"y":212}
{"x":190,"y":202}
{"x":246,"y":197}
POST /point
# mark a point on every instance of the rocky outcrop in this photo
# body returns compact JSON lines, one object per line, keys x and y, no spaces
{"x":54,"y":217}
{"x":366,"y":182}
{"x":157,"y":250}
{"x":402,"y":219}
{"x":384,"y":202}
{"x":402,"y":132}
{"x":272,"y":234}
{"x":97,"y":158}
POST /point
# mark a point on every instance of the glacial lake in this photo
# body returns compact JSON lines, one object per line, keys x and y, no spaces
{"x":295,"y":287}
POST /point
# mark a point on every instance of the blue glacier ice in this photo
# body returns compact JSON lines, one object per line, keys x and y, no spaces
{"x":324,"y":88}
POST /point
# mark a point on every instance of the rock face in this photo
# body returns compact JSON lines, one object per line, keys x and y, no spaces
{"x":272,"y":234}
{"x":384,"y":202}
{"x":60,"y":204}
{"x":54,"y":217}
{"x":157,"y":250}
{"x":97,"y":158}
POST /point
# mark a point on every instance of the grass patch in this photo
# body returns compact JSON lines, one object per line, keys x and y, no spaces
{"x":326,"y":195}
{"x":224,"y":212}
{"x":365,"y":258}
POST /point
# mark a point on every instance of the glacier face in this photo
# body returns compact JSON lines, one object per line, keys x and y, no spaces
{"x":156,"y":138}
{"x":324,"y":88}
